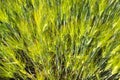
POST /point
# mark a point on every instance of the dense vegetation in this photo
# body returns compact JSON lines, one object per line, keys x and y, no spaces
{"x":60,"y":39}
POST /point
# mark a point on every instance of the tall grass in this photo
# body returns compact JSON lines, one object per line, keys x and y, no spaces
{"x":60,"y":39}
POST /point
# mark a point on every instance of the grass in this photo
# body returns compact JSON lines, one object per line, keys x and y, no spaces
{"x":60,"y":39}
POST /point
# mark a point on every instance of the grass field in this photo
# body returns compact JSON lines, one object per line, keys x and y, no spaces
{"x":59,"y":39}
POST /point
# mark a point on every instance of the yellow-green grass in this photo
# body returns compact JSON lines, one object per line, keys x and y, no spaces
{"x":60,"y":39}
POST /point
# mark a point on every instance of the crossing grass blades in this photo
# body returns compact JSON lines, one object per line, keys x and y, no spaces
{"x":59,"y":39}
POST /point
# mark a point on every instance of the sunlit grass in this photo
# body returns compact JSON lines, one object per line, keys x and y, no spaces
{"x":60,"y":39}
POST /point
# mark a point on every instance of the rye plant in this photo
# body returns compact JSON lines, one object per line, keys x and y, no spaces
{"x":59,"y":39}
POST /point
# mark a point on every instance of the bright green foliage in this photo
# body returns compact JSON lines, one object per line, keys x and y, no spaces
{"x":60,"y":39}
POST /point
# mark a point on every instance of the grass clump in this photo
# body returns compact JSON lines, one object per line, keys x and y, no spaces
{"x":60,"y":39}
